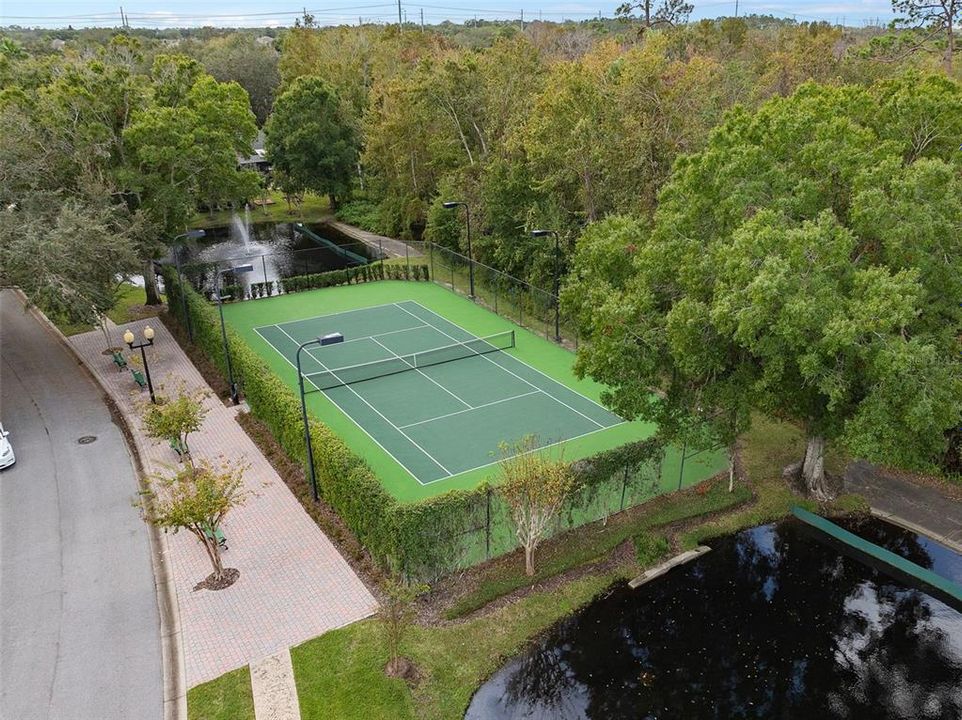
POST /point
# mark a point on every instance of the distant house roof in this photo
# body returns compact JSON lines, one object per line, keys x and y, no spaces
{"x":258,"y":157}
{"x":264,"y":40}
{"x":57,"y":44}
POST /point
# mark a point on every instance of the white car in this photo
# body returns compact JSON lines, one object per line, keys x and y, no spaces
{"x":7,"y":457}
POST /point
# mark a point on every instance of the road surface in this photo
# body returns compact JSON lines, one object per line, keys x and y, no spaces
{"x":79,"y":625}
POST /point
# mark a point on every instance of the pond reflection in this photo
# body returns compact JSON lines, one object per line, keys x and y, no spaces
{"x":773,"y":623}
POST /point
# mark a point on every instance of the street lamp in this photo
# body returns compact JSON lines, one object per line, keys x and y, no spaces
{"x":467,"y":218}
{"x":149,"y":338}
{"x":191,"y":234}
{"x":557,"y":279}
{"x":328,"y":340}
{"x":237,"y":270}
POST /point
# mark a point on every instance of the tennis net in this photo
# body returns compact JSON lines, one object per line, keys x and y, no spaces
{"x":350,"y":374}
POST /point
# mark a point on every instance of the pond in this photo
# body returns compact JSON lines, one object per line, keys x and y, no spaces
{"x":772,"y":623}
{"x":275,"y":250}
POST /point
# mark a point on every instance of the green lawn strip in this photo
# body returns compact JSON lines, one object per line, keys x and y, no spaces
{"x":551,"y":359}
{"x":315,"y":208}
{"x":129,"y":296}
{"x":228,"y":697}
{"x":340,"y":674}
{"x":592,"y":542}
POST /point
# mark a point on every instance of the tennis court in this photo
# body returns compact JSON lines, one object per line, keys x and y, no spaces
{"x":435,"y":397}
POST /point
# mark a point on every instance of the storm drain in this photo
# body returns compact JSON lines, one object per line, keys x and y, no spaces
{"x":87,"y":439}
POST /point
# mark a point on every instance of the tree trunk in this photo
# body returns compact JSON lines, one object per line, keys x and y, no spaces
{"x":813,"y":469}
{"x":529,"y":559}
{"x":150,"y":283}
{"x":731,"y":469}
{"x":950,"y":41}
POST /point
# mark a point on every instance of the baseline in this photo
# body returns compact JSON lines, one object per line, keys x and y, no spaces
{"x":507,"y":370}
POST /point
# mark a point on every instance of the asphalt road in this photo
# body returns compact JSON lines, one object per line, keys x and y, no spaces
{"x":79,"y":625}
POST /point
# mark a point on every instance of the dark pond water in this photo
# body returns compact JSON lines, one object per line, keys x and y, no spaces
{"x":773,"y":623}
{"x":276,"y":250}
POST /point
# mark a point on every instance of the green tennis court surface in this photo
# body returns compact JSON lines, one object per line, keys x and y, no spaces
{"x":436,"y":398}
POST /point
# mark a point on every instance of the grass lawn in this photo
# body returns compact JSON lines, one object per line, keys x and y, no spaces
{"x":229,"y":696}
{"x":314,"y":209}
{"x":340,"y":674}
{"x":129,"y":307}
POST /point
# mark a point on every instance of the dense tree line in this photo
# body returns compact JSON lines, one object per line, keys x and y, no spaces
{"x":683,"y":167}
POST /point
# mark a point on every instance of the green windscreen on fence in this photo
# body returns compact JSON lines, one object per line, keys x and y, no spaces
{"x":897,"y":562}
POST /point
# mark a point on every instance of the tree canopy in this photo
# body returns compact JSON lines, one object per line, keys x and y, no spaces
{"x":311,"y":144}
{"x":807,"y":263}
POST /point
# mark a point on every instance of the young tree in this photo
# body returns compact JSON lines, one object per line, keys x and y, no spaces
{"x":175,"y":419}
{"x":814,"y":279}
{"x":310,"y":140}
{"x":534,"y":487}
{"x":397,"y":614}
{"x":196,"y":498}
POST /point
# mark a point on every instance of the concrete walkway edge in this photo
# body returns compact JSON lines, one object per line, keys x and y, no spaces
{"x":917,"y":529}
{"x":273,"y":688}
{"x":175,"y":691}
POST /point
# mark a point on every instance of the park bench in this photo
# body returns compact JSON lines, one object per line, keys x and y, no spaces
{"x":218,"y":534}
{"x":138,"y":377}
{"x":119,"y":360}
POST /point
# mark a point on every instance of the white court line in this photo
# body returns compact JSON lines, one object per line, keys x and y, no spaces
{"x":293,"y":365}
{"x":341,"y":312}
{"x":361,"y":398}
{"x":528,"y":365}
{"x":351,"y":417}
{"x":557,"y":400}
{"x":542,"y":447}
{"x":476,"y":407}
{"x":389,"y":332}
{"x":420,"y":372}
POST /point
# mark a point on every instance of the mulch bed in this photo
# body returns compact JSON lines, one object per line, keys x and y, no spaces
{"x":229,"y":577}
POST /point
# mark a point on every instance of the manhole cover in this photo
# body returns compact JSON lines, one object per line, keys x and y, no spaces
{"x":87,"y":439}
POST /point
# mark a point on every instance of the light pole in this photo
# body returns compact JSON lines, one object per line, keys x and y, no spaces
{"x":307,"y":425}
{"x":149,"y":338}
{"x":237,"y":270}
{"x":467,"y":219}
{"x":326,"y":340}
{"x":557,"y":278}
{"x":183,"y":294}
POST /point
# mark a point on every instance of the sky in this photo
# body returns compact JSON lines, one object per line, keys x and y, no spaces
{"x":281,"y":13}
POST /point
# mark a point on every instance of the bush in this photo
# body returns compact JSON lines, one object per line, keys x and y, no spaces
{"x":361,"y":213}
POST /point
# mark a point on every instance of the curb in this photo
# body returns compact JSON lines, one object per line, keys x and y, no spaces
{"x":172,"y":654}
{"x":918,"y":529}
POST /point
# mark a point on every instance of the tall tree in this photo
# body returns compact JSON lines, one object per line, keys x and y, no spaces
{"x":933,"y":18}
{"x":310,"y":140}
{"x":806,"y":264}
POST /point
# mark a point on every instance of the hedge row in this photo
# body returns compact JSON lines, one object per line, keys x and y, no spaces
{"x":421,"y":539}
{"x":330,"y":278}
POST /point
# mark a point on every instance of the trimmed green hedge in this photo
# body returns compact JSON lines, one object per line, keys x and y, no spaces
{"x":421,"y":539}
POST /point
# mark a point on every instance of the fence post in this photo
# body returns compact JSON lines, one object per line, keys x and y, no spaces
{"x":521,"y":307}
{"x":681,"y":472}
{"x":264,"y":265}
{"x":407,"y":260}
{"x":624,"y":487}
{"x":452,"y":278}
{"x":496,"y":284}
{"x":431,"y":255}
{"x":380,"y":251}
{"x":487,"y":527}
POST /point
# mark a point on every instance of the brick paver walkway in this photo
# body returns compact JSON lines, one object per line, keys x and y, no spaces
{"x":294,"y":585}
